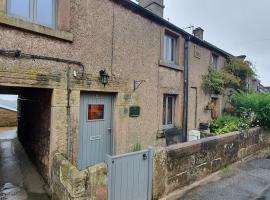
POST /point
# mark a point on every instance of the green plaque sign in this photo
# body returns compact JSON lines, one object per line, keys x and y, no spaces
{"x":134,"y":111}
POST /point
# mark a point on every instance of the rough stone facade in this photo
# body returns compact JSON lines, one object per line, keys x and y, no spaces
{"x":180,"y":165}
{"x":198,"y":66}
{"x":8,"y":118}
{"x":101,"y":35}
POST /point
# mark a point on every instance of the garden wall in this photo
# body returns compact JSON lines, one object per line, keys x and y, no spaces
{"x":68,"y":183}
{"x":182,"y":164}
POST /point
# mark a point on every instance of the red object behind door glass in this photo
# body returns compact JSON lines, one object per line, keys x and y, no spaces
{"x":95,"y":112}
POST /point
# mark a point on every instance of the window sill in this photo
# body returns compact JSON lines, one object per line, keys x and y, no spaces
{"x":163,"y":63}
{"x":35,"y":28}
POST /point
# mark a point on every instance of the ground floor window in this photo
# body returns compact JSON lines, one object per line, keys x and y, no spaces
{"x":168,"y":111}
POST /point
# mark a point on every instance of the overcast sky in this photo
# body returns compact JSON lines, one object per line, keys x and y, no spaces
{"x":237,"y":26}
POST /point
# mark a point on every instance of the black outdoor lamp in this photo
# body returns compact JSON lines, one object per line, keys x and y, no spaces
{"x":104,"y":77}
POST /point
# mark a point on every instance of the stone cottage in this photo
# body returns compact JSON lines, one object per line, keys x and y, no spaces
{"x":97,"y":77}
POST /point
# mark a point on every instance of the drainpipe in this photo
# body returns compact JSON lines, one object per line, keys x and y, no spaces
{"x":69,"y":134}
{"x":196,"y":105}
{"x":186,"y":85}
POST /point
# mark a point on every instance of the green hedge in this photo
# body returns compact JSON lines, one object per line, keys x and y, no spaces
{"x":255,"y":105}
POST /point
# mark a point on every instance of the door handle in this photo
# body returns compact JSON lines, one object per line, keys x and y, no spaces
{"x":109,"y":129}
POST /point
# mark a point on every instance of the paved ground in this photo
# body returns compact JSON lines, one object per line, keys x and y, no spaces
{"x":248,"y":181}
{"x":19,"y":179}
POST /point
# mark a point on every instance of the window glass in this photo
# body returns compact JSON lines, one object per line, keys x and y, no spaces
{"x":164,"y":110}
{"x":37,"y":11}
{"x":45,"y":12}
{"x":95,"y":112}
{"x":169,"y":48}
{"x":168,"y":111}
{"x":19,"y":8}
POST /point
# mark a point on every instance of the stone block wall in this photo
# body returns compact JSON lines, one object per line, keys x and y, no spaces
{"x":8,"y":118}
{"x":34,"y":126}
{"x":68,"y":183}
{"x":180,"y":165}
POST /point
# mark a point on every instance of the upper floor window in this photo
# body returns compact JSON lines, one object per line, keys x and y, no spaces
{"x":170,"y":48}
{"x":214,"y":61}
{"x":41,"y":12}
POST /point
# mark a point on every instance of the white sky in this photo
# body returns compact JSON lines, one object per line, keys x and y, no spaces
{"x":237,"y":26}
{"x":9,"y":97}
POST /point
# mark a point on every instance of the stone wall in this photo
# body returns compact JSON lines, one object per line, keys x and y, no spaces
{"x":34,"y":126}
{"x":8,"y":118}
{"x":180,"y":165}
{"x":68,"y":183}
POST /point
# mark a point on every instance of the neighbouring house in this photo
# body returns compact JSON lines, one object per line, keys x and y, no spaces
{"x":97,"y":77}
{"x":8,"y":116}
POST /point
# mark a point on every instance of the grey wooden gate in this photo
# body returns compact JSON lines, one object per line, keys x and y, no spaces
{"x":95,"y":129}
{"x":130,"y":176}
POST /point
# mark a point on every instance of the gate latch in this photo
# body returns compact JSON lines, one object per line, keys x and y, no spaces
{"x":144,"y":157}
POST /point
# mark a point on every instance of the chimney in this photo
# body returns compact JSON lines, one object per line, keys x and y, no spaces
{"x":198,"y":32}
{"x":155,"y":6}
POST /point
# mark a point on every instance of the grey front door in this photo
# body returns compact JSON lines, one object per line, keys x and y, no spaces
{"x":95,"y":129}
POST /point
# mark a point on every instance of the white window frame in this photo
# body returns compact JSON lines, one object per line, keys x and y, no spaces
{"x":33,"y":13}
{"x":166,"y":125}
{"x":171,"y":49}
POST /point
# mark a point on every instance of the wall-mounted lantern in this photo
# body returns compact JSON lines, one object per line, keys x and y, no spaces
{"x":104,"y":77}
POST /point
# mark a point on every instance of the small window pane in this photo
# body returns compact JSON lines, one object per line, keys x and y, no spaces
{"x":170,"y":110}
{"x":19,"y":8}
{"x":164,"y":111}
{"x":95,"y":112}
{"x":45,"y":12}
{"x":169,"y":48}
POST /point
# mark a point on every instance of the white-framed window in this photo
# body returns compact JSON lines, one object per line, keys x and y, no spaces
{"x":214,"y":61}
{"x":41,"y":12}
{"x":168,"y":111}
{"x":170,"y":43}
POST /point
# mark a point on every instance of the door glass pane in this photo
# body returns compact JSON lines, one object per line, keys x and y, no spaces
{"x":19,"y":8}
{"x":164,"y":111}
{"x":95,"y":112}
{"x":45,"y":12}
{"x":170,"y":111}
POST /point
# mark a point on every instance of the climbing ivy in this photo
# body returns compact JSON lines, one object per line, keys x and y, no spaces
{"x":216,"y":81}
{"x":233,"y":75}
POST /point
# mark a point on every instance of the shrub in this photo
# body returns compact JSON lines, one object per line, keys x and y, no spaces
{"x":225,"y":125}
{"x":242,"y":69}
{"x":216,"y":81}
{"x":234,"y":75}
{"x":255,"y":106}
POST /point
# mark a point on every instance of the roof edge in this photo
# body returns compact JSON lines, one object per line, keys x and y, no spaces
{"x":8,"y":108}
{"x":151,"y":16}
